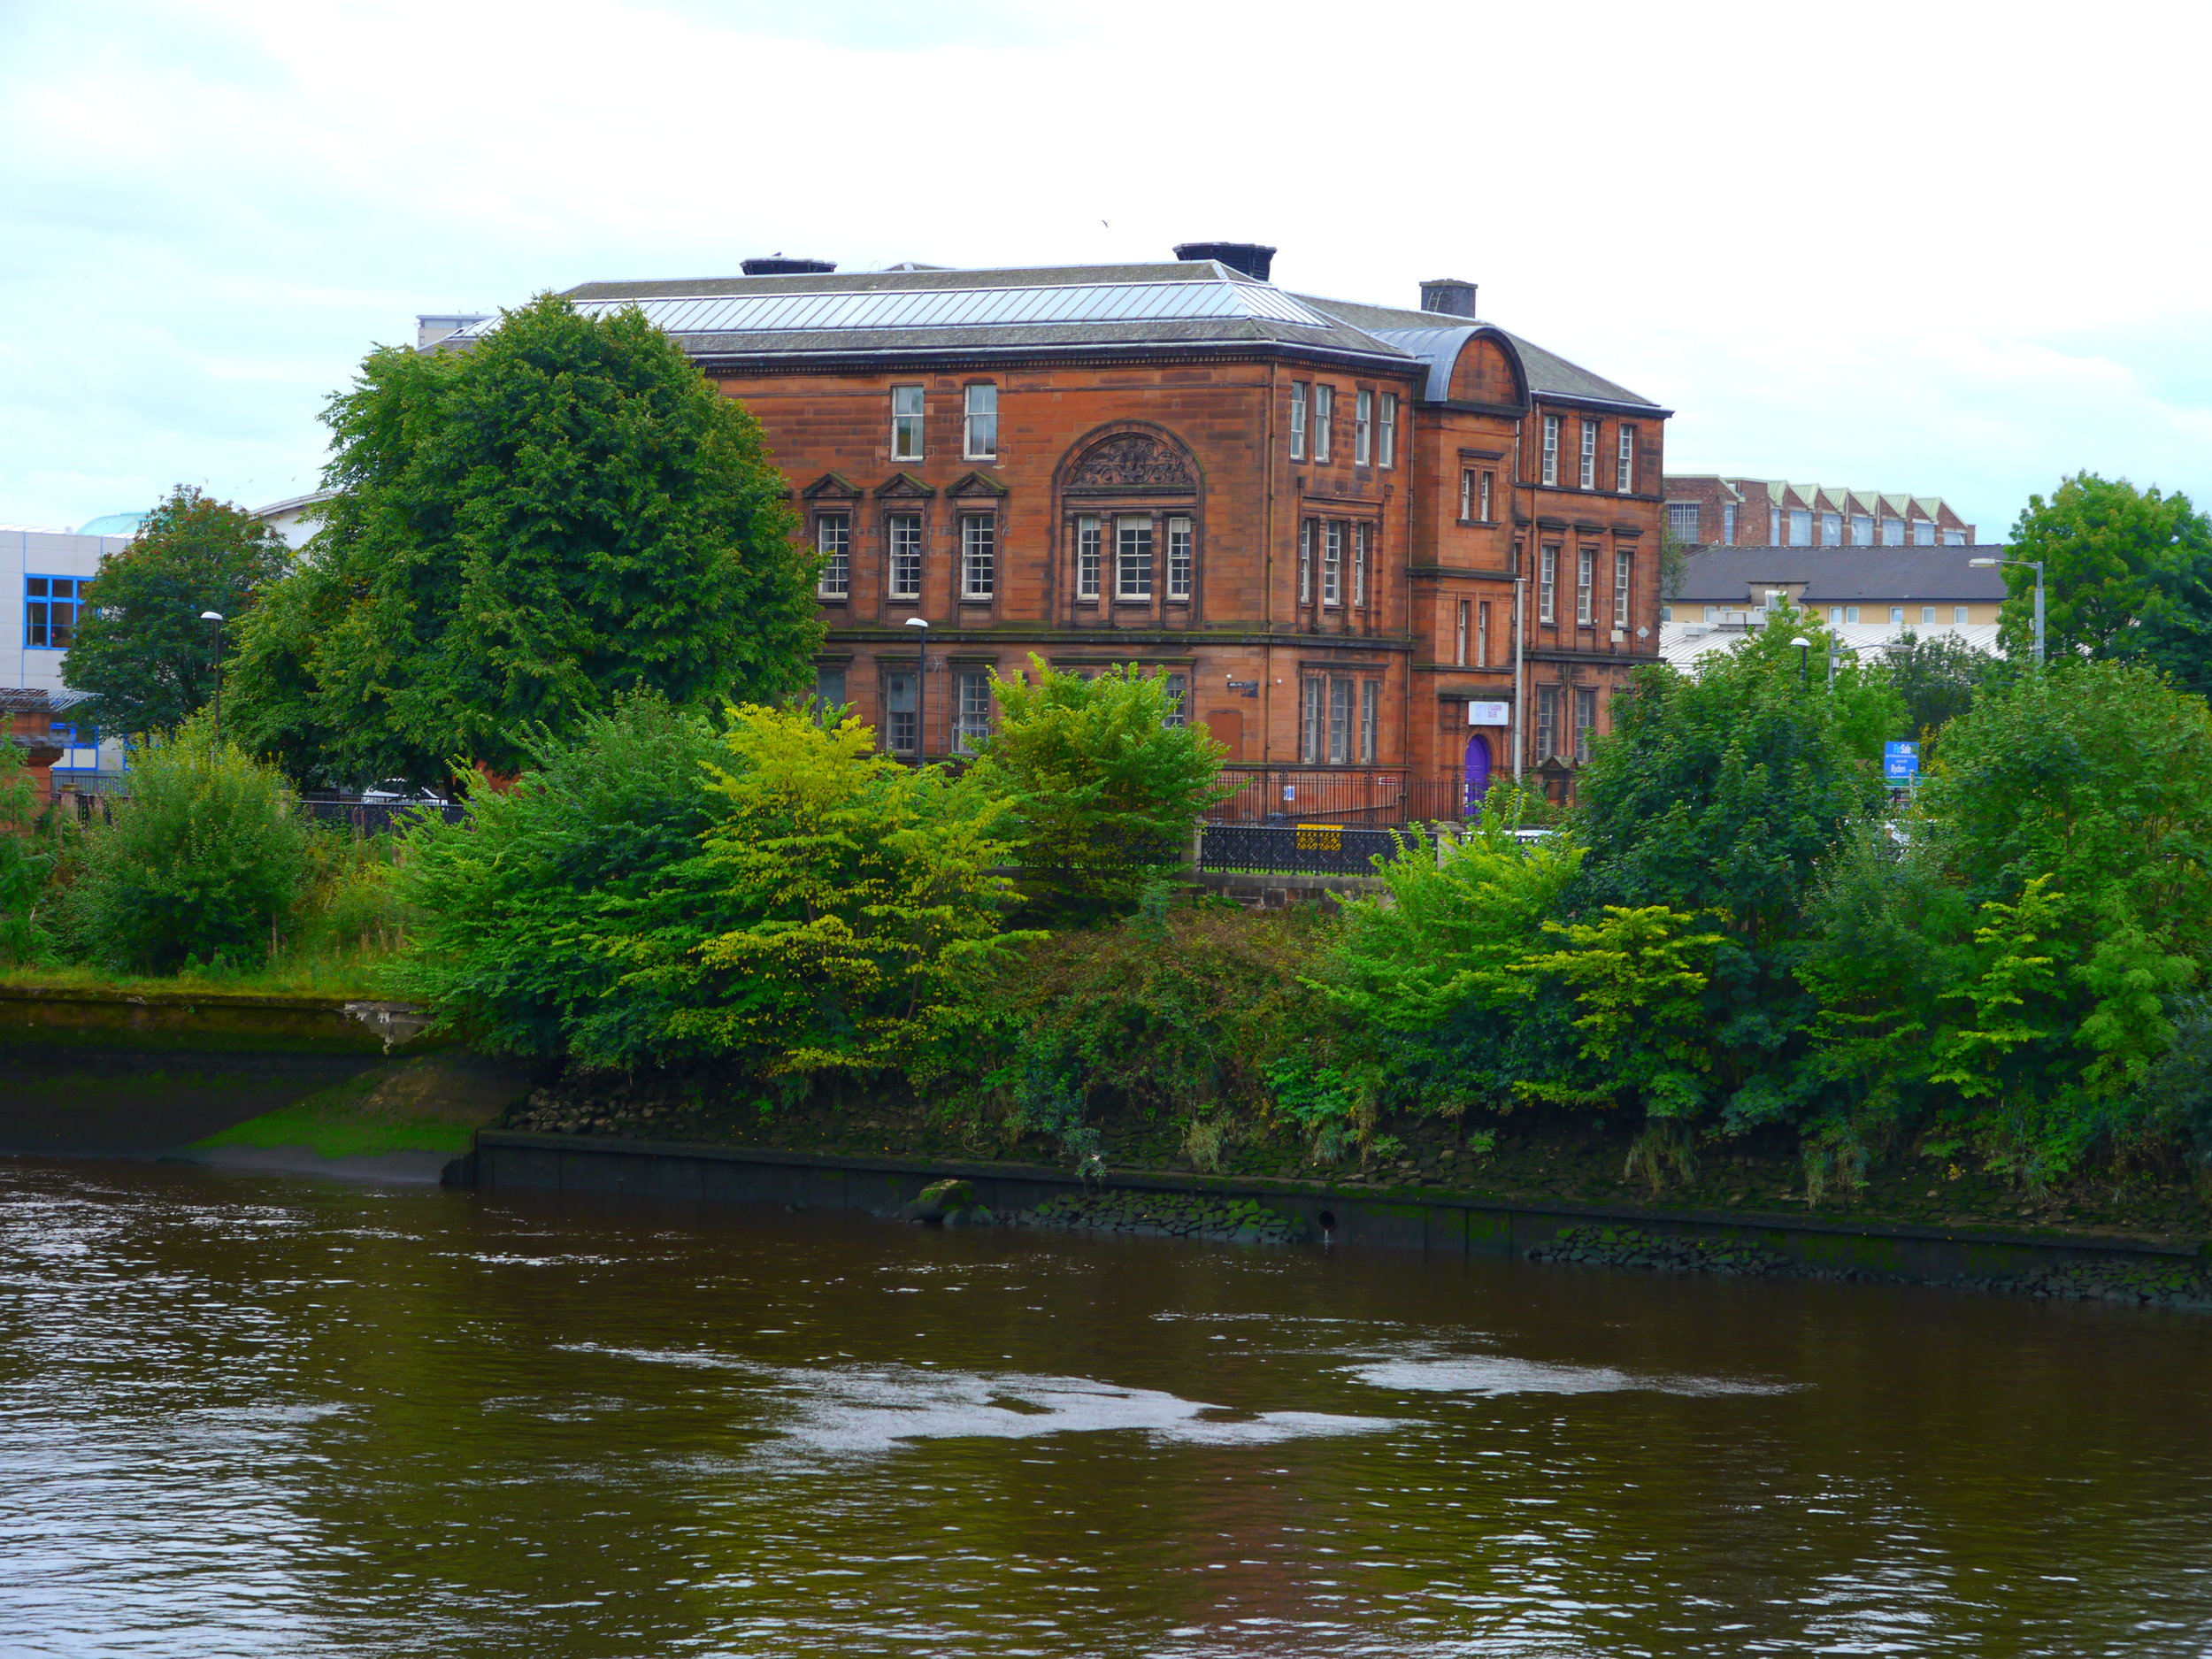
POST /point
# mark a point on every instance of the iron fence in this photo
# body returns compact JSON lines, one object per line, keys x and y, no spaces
{"x":363,"y":818}
{"x":1370,"y":800}
{"x":1312,"y":850}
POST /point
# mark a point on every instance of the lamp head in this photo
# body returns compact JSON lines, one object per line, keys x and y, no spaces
{"x":1985,"y":563}
{"x":211,"y":616}
{"x":917,"y":622}
{"x":1802,"y":643}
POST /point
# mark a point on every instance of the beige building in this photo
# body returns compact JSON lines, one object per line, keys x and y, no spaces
{"x":1868,"y":596}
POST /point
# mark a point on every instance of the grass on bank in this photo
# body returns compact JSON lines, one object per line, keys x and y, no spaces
{"x":354,"y":976}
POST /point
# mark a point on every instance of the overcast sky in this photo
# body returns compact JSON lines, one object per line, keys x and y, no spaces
{"x":1943,"y":248}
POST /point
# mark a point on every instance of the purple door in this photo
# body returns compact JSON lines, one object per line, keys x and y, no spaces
{"x":1478,"y":770}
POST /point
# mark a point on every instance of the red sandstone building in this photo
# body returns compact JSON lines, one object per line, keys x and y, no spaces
{"x":1706,"y":509}
{"x":1339,"y":527}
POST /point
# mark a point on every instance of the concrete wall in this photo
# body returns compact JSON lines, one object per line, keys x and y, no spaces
{"x":1437,"y":1224}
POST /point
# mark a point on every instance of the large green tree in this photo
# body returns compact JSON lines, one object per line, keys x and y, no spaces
{"x":1720,"y":796}
{"x":142,"y":650}
{"x":524,"y":531}
{"x":2008,"y":963}
{"x":2127,"y":574}
{"x":1937,"y":678}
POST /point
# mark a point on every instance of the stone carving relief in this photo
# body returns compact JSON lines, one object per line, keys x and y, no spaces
{"x":1131,"y":461}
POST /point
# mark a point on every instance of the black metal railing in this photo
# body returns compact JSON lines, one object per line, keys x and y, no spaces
{"x":363,"y":818}
{"x":1367,"y":800}
{"x":1313,"y":850}
{"x":379,"y":817}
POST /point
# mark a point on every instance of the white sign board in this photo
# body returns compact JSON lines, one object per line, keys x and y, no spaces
{"x":1489,"y":714}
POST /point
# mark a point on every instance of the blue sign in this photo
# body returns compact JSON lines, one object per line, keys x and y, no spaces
{"x":1901,"y":762}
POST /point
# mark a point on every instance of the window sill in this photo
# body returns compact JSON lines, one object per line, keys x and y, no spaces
{"x":977,"y":599}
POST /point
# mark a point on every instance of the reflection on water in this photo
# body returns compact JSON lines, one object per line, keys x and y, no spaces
{"x":245,"y":1415}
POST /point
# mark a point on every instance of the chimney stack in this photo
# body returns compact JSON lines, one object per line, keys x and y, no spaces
{"x":1255,"y":260}
{"x":1449,"y":296}
{"x":776,"y":265}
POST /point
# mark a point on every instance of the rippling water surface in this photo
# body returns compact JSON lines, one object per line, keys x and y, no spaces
{"x":244,"y":1415}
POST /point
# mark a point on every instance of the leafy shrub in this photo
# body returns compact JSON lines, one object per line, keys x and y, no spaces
{"x":1176,"y":1012}
{"x":520,"y":908}
{"x":1108,"y":791}
{"x":198,"y":865}
{"x":779,"y":897}
{"x":24,"y":867}
{"x":2006,"y":979}
{"x":852,"y":898}
{"x":349,"y":902}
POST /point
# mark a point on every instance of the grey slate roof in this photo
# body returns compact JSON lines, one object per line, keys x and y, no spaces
{"x":1546,"y":372}
{"x":1026,"y":308}
{"x":1841,"y":575}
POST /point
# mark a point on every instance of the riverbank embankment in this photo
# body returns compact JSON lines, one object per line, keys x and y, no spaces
{"x":1452,"y":1224}
{"x":323,"y":1085}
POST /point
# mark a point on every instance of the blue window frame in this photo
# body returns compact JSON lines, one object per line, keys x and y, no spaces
{"x":79,"y":743}
{"x":50,"y":604}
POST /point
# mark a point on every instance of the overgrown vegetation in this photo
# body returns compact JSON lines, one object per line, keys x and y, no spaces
{"x":1735,"y":938}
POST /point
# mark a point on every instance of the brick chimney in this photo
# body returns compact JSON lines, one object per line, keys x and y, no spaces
{"x":776,"y":265}
{"x":1255,"y":260}
{"x":1449,"y":295}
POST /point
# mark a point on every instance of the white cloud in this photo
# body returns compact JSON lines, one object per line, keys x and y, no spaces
{"x":1910,"y":246}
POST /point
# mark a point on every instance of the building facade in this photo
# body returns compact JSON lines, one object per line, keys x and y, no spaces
{"x":44,"y":577}
{"x":1374,"y":548}
{"x":1705,"y":510}
{"x":1870,"y":598}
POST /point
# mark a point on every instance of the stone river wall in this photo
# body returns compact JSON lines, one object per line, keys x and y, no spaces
{"x":1439,"y":1223}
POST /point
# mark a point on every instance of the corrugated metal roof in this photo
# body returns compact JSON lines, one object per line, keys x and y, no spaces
{"x":1031,"y":307}
{"x":1188,"y":302}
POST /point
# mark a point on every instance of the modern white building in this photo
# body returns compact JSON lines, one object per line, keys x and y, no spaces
{"x":43,"y":575}
{"x":290,"y":517}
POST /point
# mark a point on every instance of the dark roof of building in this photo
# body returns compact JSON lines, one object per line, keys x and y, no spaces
{"x":1546,"y":372}
{"x":1840,"y":575}
{"x":1195,"y":301}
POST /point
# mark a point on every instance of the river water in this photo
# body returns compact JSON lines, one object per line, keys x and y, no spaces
{"x":257,"y":1416}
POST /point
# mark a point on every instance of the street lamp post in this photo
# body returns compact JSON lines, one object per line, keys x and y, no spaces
{"x":214,"y":620}
{"x":921,"y":681}
{"x":2036,"y":566}
{"x":1804,"y":660}
{"x":1520,"y":662}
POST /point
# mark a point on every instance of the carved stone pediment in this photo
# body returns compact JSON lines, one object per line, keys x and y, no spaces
{"x":975,"y":484}
{"x":904,"y":485}
{"x":1131,"y":461}
{"x":834,"y":485}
